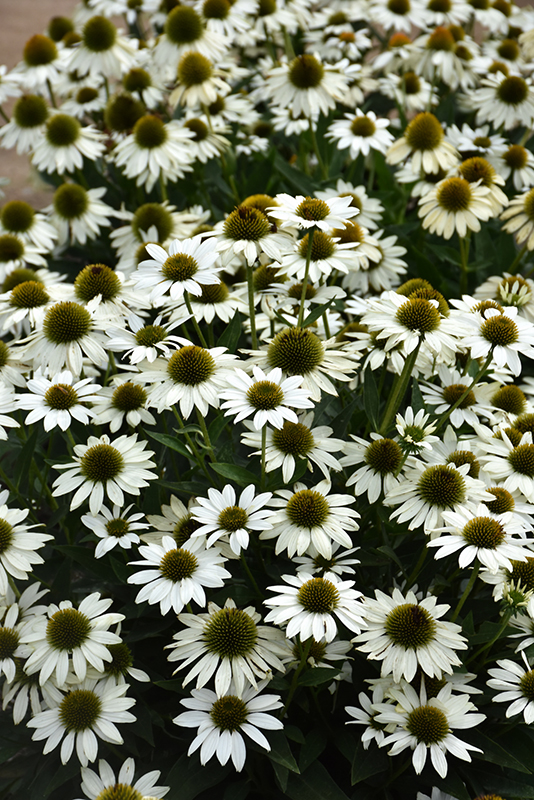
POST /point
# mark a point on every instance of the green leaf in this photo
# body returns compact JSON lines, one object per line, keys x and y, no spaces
{"x":187,"y":487}
{"x":317,"y":312}
{"x":340,"y":423}
{"x":390,"y":553}
{"x":230,"y":336}
{"x":170,"y":441}
{"x":281,"y":751}
{"x":24,"y":461}
{"x":282,"y":775}
{"x":64,"y":774}
{"x":453,"y":785}
{"x":318,"y":675}
{"x":86,"y":558}
{"x":188,"y":778}
{"x":314,"y":784}
{"x":506,"y":787}
{"x":216,"y":428}
{"x":314,"y":745}
{"x":367,"y":763}
{"x":295,"y":177}
{"x":239,"y":475}
{"x":417,"y":398}
{"x":493,"y":752}
{"x":238,"y":791}
{"x":294,"y":733}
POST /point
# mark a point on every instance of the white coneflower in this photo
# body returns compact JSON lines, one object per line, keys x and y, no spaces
{"x":68,"y":638}
{"x":105,"y":467}
{"x":503,"y":334}
{"x":222,"y":516}
{"x":423,"y":140}
{"x":405,"y":633}
{"x":86,"y":101}
{"x":188,"y":264}
{"x":18,"y":544}
{"x":199,"y":82}
{"x":518,"y":163}
{"x":105,"y":785}
{"x":173,"y":576}
{"x":519,"y":218}
{"x":41,"y":65}
{"x":114,"y":528}
{"x":208,"y":141}
{"x":425,"y":725}
{"x":102,"y":50}
{"x":228,"y":643}
{"x":306,"y":85}
{"x":360,"y":133}
{"x":155,"y":150}
{"x":311,"y":606}
{"x":184,"y":30}
{"x":216,"y":301}
{"x":58,"y":400}
{"x":125,"y":401}
{"x":222,"y":720}
{"x":516,"y":684}
{"x":19,"y":218}
{"x":455,"y":205}
{"x":409,"y":90}
{"x":311,"y":516}
{"x":65,"y":144}
{"x":141,"y":342}
{"x":311,"y":212}
{"x":382,"y":460}
{"x":79,"y":214}
{"x":247,"y":233}
{"x":88,"y":710}
{"x":397,"y":16}
{"x":479,"y":172}
{"x":326,"y":254}
{"x":369,"y":209}
{"x":506,"y":100}
{"x":25,"y":129}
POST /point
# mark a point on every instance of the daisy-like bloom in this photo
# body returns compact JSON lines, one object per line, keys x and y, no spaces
{"x":312,"y":606}
{"x":426,"y":492}
{"x":155,"y":150}
{"x":58,"y":400}
{"x":310,"y":212}
{"x":285,"y":447}
{"x":517,"y":163}
{"x":144,"y":342}
{"x":516,"y":684}
{"x":306,"y":85}
{"x":114,"y":528}
{"x":192,"y":377}
{"x":69,"y":331}
{"x":493,"y":541}
{"x":11,"y":648}
{"x":360,"y":133}
{"x":423,"y":140}
{"x":105,"y":785}
{"x":87,"y":100}
{"x":247,"y":232}
{"x":104,"y":467}
{"x":405,"y":633}
{"x":176,"y":575}
{"x":366,"y":715}
{"x":455,"y":205}
{"x":477,"y":142}
{"x":328,"y":253}
{"x":370,"y":209}
{"x":184,"y":30}
{"x":509,"y":463}
{"x":208,"y":141}
{"x":427,"y":724}
{"x":176,"y":520}
{"x":299,"y":351}
{"x":268,"y":397}
{"x":409,"y":90}
{"x":221,"y":721}
{"x":311,"y":517}
{"x":8,"y":403}
{"x":216,"y":301}
{"x":506,"y":100}
{"x":397,"y":16}
{"x":188,"y":264}
{"x":440,"y":57}
{"x":509,"y":290}
{"x":87,"y":711}
{"x":102,"y":50}
{"x":519,"y":218}
{"x":65,"y":144}
{"x":199,"y":83}
{"x":414,"y":433}
{"x":453,"y":385}
{"x":19,"y":218}
{"x":18,"y":544}
{"x":501,"y":333}
{"x":79,"y":214}
{"x":228,"y":643}
{"x":124,"y":401}
{"x":66,"y":637}
{"x":382,"y":460}
{"x":480,"y":173}
{"x":220,"y":516}
{"x":26,"y":127}
{"x":410,"y":321}
{"x":41,"y":64}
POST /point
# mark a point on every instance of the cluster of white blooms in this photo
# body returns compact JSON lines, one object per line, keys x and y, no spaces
{"x":242,"y":371}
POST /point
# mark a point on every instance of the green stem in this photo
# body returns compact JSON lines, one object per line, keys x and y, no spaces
{"x":464,"y":256}
{"x":196,"y":326}
{"x":288,"y":44}
{"x":399,"y":390}
{"x":51,"y":93}
{"x":251,"y":577}
{"x":326,"y":325}
{"x":252,"y":307}
{"x":467,"y":591}
{"x":263,"y":458}
{"x":3,"y":114}
{"x":163,"y":187}
{"x":417,"y":569}
{"x":322,"y":166}
{"x":207,"y":440}
{"x":305,"y":279}
{"x":513,"y":269}
{"x":481,"y":372}
{"x":190,"y":442}
{"x":485,"y":647}
{"x":294,"y":683}
{"x":13,"y":585}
